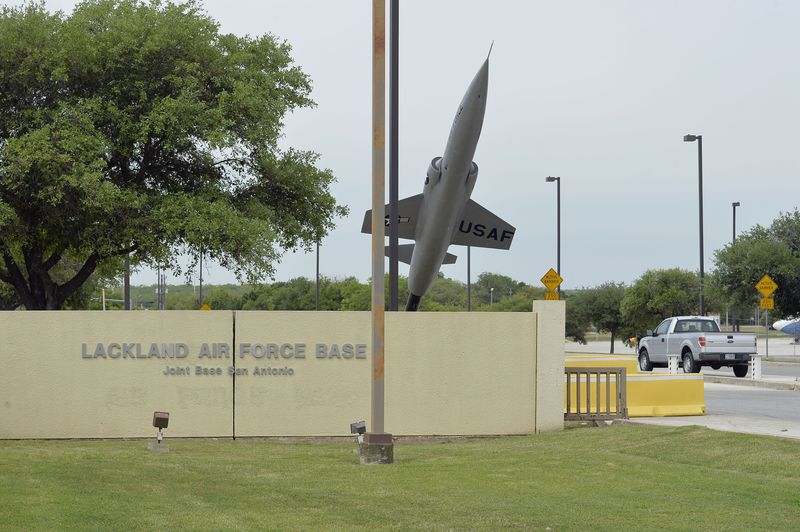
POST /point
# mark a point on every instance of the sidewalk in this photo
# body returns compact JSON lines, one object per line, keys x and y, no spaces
{"x":771,"y":382}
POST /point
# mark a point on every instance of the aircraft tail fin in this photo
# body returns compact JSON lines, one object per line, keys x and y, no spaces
{"x":408,"y":212}
{"x":481,"y":228}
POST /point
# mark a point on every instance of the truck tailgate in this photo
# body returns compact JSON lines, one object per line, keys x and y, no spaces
{"x":729,"y":343}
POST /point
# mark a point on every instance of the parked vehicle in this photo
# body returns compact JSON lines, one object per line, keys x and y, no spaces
{"x":698,"y":342}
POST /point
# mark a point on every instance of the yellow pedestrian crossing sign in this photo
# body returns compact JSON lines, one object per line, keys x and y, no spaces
{"x":551,"y":280}
{"x":766,"y":286}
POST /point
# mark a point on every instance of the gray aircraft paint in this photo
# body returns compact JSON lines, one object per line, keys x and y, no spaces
{"x":444,"y":214}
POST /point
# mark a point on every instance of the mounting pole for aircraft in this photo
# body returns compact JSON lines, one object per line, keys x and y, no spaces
{"x":377,"y":446}
{"x":394,"y":214}
{"x":469,"y":282}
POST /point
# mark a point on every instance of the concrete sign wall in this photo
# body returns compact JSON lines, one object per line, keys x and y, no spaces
{"x":102,"y":374}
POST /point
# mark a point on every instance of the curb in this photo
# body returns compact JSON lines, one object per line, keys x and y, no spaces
{"x":737,"y":381}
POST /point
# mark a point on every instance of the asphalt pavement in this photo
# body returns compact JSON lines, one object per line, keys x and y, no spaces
{"x":742,"y":409}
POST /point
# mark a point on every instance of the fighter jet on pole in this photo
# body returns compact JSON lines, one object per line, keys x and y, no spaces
{"x":444,"y":214}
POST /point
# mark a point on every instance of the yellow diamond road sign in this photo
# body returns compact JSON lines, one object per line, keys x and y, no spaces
{"x":551,"y":279}
{"x":551,"y":296}
{"x":766,"y":286}
{"x":767,"y":303}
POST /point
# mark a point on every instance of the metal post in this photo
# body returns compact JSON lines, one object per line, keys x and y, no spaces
{"x":469,"y":282}
{"x":378,"y":195}
{"x":733,"y":206}
{"x":766,"y":332}
{"x":158,"y":288}
{"x":700,"y":193}
{"x":550,"y":179}
{"x":317,"y":283}
{"x":394,"y":213}
{"x":201,"y":276}
{"x":558,"y":230}
{"x":126,"y":284}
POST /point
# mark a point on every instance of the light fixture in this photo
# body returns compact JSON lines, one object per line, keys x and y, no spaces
{"x":160,"y":421}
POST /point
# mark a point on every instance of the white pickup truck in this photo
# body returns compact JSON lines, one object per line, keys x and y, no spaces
{"x":698,"y":342}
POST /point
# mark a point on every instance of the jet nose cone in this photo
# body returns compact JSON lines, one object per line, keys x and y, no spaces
{"x":480,"y":83}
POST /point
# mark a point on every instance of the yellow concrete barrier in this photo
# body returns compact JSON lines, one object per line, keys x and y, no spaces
{"x":648,"y":394}
{"x":629,"y":362}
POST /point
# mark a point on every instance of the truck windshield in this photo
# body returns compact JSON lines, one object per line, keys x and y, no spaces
{"x":684,"y":326}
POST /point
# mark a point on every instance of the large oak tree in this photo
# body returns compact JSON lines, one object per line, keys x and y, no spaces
{"x":130,"y":127}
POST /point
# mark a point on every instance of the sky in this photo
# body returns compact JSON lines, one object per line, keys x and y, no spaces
{"x":597,"y":93}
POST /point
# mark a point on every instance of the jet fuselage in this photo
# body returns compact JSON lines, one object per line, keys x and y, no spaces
{"x":448,"y":186}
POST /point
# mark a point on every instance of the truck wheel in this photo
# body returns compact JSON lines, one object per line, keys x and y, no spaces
{"x":689,"y":364}
{"x":716,"y":366}
{"x":740,"y":371}
{"x":644,"y":361}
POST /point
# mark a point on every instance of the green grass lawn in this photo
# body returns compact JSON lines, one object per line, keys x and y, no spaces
{"x":620,"y":478}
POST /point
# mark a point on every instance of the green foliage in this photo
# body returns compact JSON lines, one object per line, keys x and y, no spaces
{"x":577,"y":320}
{"x":773,"y":251}
{"x":137,"y":127}
{"x":8,"y":297}
{"x":656,"y":295}
{"x":598,"y":306}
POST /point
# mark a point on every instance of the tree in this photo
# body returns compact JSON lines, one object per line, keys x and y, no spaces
{"x":773,"y":251}
{"x":136,"y":127}
{"x":577,"y":316}
{"x":504,"y":286}
{"x":8,"y":297}
{"x":656,"y":295}
{"x":603,"y":308}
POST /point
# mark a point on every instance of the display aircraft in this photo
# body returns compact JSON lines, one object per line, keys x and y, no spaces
{"x":444,"y":214}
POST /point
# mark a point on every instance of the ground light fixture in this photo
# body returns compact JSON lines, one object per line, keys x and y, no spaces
{"x":160,"y":421}
{"x":359,"y":428}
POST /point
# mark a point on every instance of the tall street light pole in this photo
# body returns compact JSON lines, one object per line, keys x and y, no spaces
{"x":317,"y":284}
{"x":699,"y":139}
{"x":733,"y":206}
{"x":394,"y":214}
{"x":550,"y":179}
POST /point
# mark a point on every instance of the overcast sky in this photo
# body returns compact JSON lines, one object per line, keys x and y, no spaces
{"x":598,"y":93}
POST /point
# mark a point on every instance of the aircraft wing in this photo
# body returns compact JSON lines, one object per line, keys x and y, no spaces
{"x":408,"y":210}
{"x":405,"y":251}
{"x":481,"y":229}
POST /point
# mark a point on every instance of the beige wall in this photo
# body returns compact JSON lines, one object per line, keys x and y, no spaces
{"x":47,"y":390}
{"x":550,"y":365}
{"x":446,"y":373}
{"x":323,"y":396}
{"x":460,"y":373}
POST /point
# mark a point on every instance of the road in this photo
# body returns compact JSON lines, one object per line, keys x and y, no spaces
{"x":768,"y":369}
{"x":737,"y":408}
{"x":743,"y":409}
